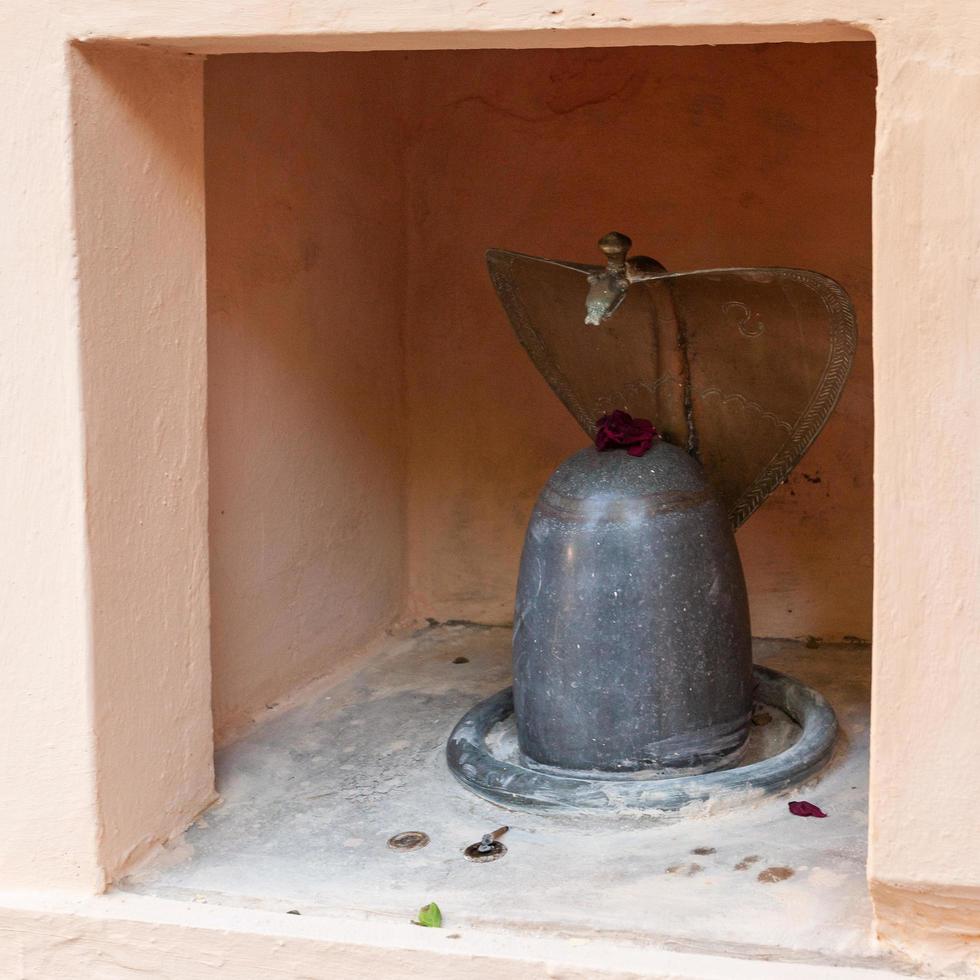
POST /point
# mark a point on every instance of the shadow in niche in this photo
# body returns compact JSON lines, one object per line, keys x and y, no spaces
{"x":377,"y":442}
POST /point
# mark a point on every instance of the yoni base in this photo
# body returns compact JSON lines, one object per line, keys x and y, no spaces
{"x":482,"y":755}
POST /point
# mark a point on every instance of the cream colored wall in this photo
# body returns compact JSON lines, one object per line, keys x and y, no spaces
{"x":103,"y":610}
{"x":926,"y":236}
{"x":306,"y":416}
{"x":48,"y":808}
{"x":707,"y":157}
{"x":925,"y":728}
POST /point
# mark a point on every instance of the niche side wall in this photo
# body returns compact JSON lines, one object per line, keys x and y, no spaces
{"x":707,"y":157}
{"x":306,"y":435}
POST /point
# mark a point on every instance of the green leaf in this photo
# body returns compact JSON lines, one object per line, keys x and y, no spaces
{"x":430,"y":915}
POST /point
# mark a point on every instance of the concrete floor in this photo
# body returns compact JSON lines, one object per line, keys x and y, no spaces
{"x":311,"y":796}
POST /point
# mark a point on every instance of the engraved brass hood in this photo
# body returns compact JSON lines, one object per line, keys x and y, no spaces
{"x":742,"y":367}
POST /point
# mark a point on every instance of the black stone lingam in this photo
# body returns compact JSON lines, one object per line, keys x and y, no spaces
{"x":632,"y":647}
{"x":633,"y":677}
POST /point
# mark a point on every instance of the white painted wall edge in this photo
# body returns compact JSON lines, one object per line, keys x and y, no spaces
{"x":118,"y":935}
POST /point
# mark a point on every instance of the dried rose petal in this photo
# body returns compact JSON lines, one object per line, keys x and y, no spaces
{"x":801,"y":808}
{"x":619,"y":429}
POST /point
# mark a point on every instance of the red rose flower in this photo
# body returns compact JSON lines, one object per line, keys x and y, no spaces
{"x":620,"y":430}
{"x":804,"y":808}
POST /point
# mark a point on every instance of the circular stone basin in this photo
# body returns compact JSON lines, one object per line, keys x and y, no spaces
{"x":797,"y":741}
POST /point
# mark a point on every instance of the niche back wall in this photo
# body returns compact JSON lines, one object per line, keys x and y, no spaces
{"x":706,"y":157}
{"x":377,"y":436}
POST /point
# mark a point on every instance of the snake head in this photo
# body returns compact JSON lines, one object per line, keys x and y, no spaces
{"x":607,"y":289}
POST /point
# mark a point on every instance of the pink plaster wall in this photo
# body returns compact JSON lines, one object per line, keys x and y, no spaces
{"x":707,"y":157}
{"x":350,"y":199}
{"x":139,"y":168}
{"x":923,"y":862}
{"x":306,"y":421}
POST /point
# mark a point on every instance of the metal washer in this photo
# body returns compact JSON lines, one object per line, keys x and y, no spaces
{"x":408,"y":840}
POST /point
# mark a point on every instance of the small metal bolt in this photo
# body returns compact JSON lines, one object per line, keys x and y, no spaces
{"x":488,"y":847}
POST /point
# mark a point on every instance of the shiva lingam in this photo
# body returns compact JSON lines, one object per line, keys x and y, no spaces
{"x":632,"y":656}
